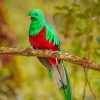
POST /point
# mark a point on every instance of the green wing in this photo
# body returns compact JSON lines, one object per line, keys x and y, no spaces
{"x":51,"y":34}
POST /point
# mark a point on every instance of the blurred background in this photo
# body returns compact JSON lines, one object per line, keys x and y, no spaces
{"x":77,"y":23}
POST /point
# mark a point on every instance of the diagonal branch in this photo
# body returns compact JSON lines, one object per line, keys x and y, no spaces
{"x":48,"y":53}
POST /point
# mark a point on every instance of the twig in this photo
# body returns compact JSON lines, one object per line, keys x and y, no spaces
{"x":86,"y":76}
{"x":84,"y":90}
{"x":89,"y":85}
{"x":84,"y":62}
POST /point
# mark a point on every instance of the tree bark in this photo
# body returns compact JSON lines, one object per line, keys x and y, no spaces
{"x":48,"y":53}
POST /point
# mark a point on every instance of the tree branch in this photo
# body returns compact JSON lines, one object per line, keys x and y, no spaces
{"x":48,"y":53}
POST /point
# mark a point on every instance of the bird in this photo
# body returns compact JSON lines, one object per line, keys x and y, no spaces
{"x":42,"y":36}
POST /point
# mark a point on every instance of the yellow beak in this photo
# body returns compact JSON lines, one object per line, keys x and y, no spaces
{"x":29,"y":17}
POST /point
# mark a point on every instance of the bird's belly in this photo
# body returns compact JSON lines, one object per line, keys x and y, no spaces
{"x":42,"y":43}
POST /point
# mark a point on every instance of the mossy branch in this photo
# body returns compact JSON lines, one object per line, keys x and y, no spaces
{"x":48,"y":53}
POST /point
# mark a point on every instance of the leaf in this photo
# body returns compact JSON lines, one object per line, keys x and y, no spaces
{"x":58,"y":8}
{"x":97,"y":51}
{"x":90,"y":38}
{"x":65,"y":7}
{"x":98,"y":40}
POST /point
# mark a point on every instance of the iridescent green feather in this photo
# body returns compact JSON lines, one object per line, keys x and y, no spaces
{"x":51,"y":34}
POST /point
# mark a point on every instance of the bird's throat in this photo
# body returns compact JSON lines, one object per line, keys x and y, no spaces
{"x":35,"y":28}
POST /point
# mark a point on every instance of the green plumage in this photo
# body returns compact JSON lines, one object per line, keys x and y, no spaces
{"x":67,"y":90}
{"x":51,"y":34}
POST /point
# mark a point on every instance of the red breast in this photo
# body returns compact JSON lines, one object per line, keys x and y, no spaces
{"x":39,"y":41}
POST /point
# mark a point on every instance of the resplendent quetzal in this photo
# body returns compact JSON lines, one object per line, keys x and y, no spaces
{"x":43,"y":36}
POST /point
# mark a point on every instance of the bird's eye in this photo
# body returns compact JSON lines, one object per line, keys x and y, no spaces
{"x":36,"y":14}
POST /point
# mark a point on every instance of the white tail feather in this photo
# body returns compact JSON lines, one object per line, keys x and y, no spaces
{"x":59,"y":75}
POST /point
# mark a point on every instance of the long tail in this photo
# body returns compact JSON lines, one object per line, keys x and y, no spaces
{"x":60,"y":75}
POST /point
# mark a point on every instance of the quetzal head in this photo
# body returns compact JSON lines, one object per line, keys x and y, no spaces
{"x":37,"y":21}
{"x":36,"y":15}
